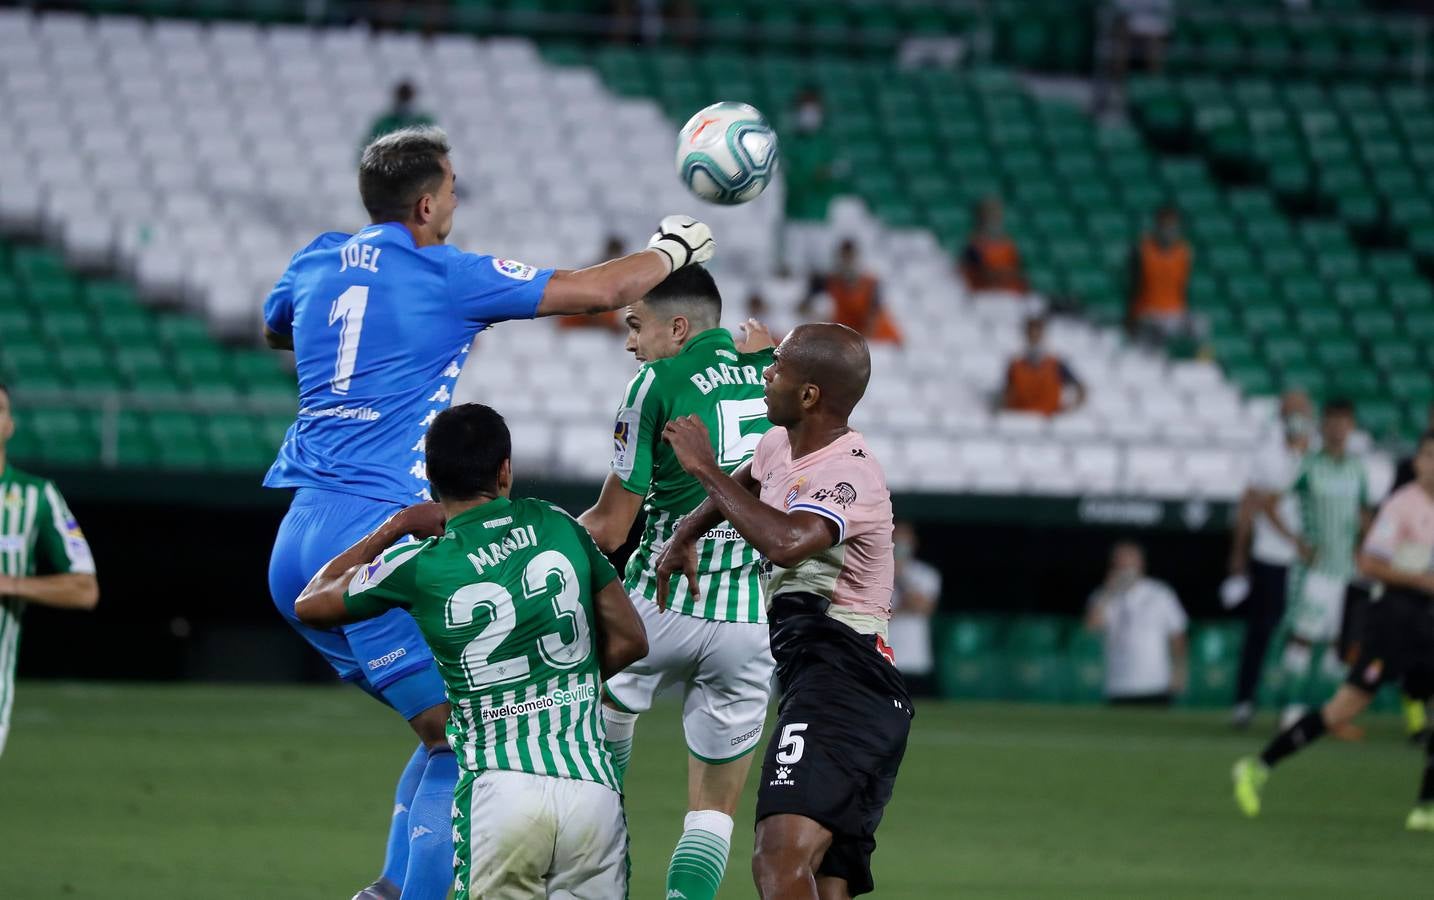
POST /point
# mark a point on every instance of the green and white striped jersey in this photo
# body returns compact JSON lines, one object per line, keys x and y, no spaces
{"x":1332,"y":493}
{"x":505,"y":601}
{"x":707,"y":378}
{"x":35,"y":525}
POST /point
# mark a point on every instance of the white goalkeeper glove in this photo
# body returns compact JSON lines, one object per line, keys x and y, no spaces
{"x":684,"y":239}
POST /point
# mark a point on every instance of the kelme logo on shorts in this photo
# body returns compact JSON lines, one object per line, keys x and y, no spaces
{"x":387,"y":659}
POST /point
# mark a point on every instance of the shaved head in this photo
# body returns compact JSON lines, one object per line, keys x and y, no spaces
{"x":833,"y":359}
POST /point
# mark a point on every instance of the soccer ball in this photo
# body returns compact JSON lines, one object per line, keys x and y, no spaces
{"x":727,"y":153}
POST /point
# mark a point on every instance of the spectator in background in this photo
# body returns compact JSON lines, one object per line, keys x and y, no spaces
{"x":915,"y":596}
{"x":1260,"y":557}
{"x":990,"y":261}
{"x":402,"y":114}
{"x":810,"y":163}
{"x":1144,"y":629}
{"x":1037,"y":381}
{"x":1134,"y":29}
{"x":608,"y":321}
{"x":1159,"y":307}
{"x":855,"y":297}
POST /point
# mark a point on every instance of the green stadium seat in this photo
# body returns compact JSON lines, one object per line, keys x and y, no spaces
{"x":968,"y":663}
{"x":1214,"y":659}
{"x":1374,"y":325}
{"x":1338,"y":352}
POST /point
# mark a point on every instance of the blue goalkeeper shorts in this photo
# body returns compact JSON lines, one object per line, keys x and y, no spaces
{"x":386,"y":656}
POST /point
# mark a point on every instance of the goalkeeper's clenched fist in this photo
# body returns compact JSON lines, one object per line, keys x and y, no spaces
{"x":684,"y":240}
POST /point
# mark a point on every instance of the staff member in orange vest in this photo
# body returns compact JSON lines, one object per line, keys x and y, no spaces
{"x":1036,"y":381}
{"x":991,"y":261}
{"x":1160,"y":274}
{"x":855,"y":297}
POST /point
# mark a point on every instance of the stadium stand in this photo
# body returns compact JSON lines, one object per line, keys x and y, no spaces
{"x":190,"y":193}
{"x":1332,"y":291}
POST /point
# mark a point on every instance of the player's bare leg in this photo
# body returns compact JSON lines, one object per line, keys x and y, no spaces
{"x":431,"y":726}
{"x":788,"y":851}
{"x":1251,"y":773}
{"x":716,"y":786}
{"x":829,"y":888}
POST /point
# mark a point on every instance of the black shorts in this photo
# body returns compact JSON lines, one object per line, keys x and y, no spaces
{"x":841,"y":734}
{"x":1397,"y":645}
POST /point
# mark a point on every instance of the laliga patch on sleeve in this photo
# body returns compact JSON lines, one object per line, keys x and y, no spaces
{"x":514,"y":269}
{"x":624,"y":443}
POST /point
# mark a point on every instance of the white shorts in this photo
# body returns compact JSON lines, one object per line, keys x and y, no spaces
{"x":725,"y":669}
{"x":1319,"y":606}
{"x":518,"y":836}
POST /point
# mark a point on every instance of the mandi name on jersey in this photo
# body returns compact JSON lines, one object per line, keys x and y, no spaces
{"x":487,"y":557}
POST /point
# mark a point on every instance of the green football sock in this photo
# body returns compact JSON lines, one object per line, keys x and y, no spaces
{"x":620,"y":726}
{"x":697,"y":864}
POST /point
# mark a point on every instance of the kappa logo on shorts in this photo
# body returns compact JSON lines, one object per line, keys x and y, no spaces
{"x":388,"y":658}
{"x":783,"y":779}
{"x":514,"y":269}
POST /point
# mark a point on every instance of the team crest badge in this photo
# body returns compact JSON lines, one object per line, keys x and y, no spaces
{"x":794,"y":492}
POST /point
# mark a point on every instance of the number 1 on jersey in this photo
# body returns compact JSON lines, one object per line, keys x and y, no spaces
{"x":349,"y":307}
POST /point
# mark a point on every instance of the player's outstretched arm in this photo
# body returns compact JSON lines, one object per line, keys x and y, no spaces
{"x":622,"y":639}
{"x":785,"y":538}
{"x":610,"y":519}
{"x":680,"y":241}
{"x":321,"y":605}
{"x":72,"y":590}
{"x":679,"y":556}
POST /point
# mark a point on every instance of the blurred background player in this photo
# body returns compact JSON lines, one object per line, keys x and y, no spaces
{"x":35,"y":526}
{"x":380,"y":323}
{"x":1260,"y":556}
{"x":915,"y":597}
{"x":1332,"y":491}
{"x":814,"y":502}
{"x":1037,"y":380}
{"x":1397,"y":645}
{"x":1144,"y":628}
{"x":537,"y":811}
{"x":713,"y":644}
{"x":990,"y":260}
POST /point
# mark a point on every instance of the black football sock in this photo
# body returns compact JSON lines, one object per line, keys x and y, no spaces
{"x":1307,"y":729}
{"x":1426,"y":787}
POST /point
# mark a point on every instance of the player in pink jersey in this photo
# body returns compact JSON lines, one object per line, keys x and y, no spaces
{"x":813,"y":501}
{"x":1398,"y":639}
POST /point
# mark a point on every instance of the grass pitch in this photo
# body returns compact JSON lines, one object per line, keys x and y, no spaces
{"x":119,"y":791}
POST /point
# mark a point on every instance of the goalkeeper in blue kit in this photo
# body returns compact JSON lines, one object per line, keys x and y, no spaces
{"x":380,"y":323}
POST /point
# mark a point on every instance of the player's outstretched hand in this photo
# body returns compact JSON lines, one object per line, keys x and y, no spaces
{"x":691,"y":443}
{"x":422,"y":520}
{"x":755,"y":336}
{"x":678,"y":557}
{"x":684,"y":239}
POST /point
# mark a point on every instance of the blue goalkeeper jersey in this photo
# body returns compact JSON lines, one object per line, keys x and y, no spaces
{"x":381,"y":329}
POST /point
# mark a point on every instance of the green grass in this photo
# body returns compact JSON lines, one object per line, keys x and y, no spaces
{"x":227,"y":792}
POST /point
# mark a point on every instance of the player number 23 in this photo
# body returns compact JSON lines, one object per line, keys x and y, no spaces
{"x":484,"y":671}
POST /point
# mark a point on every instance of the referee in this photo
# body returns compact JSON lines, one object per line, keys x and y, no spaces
{"x":1260,"y":557}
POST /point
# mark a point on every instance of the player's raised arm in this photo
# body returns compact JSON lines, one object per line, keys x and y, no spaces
{"x":322,"y":603}
{"x":680,"y":241}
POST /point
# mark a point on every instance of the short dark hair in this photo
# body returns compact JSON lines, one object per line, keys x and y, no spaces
{"x":1338,"y":406}
{"x":4,"y":389}
{"x":689,"y":291}
{"x":398,"y":168}
{"x":466,"y":446}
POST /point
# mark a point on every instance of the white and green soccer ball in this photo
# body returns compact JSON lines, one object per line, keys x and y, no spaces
{"x":727,"y":153}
